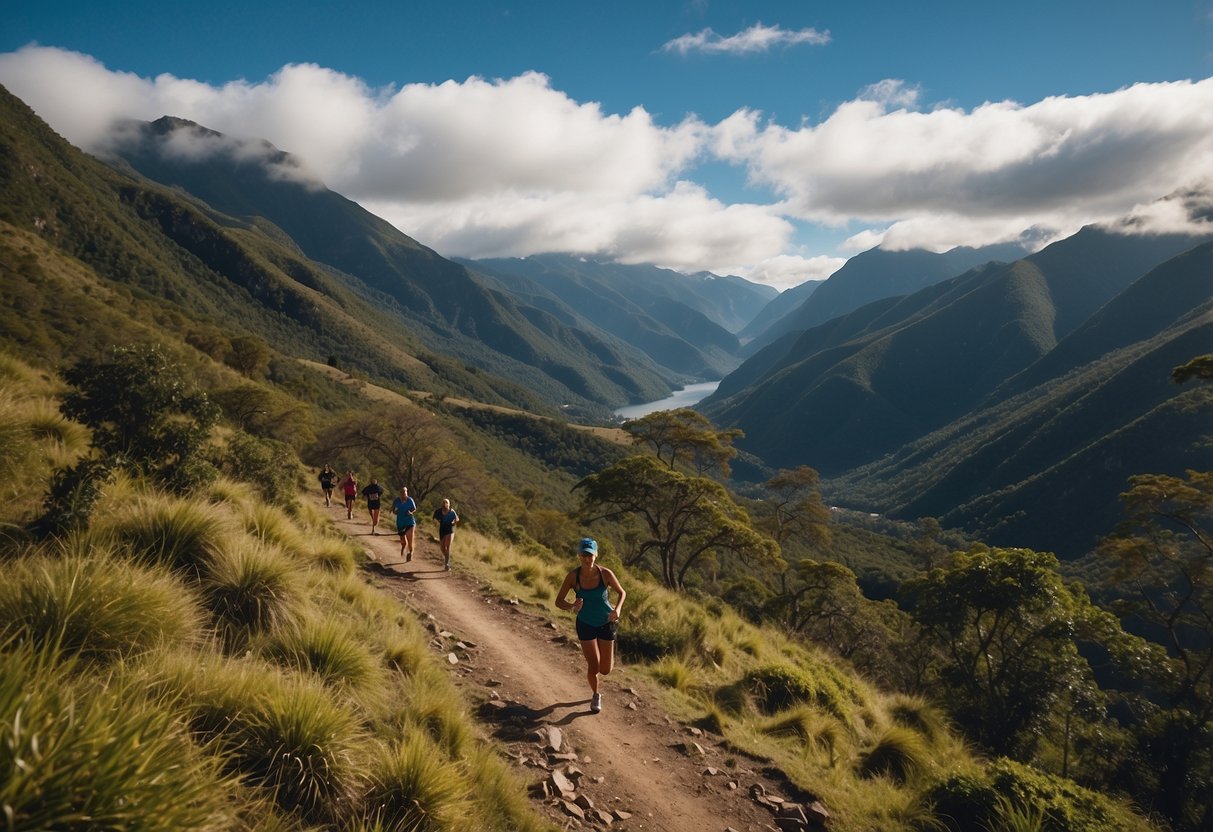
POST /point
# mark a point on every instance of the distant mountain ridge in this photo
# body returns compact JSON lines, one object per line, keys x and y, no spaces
{"x":874,"y":275}
{"x":858,"y":396}
{"x":684,"y":322}
{"x":447,"y":308}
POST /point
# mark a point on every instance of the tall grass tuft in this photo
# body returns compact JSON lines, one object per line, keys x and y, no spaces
{"x":1011,"y":816}
{"x":175,"y":533}
{"x":915,"y":712}
{"x":901,"y":754}
{"x":324,"y":647}
{"x":300,"y":744}
{"x":271,"y":525}
{"x":674,"y":673}
{"x":332,"y":555}
{"x":250,"y":588}
{"x":97,"y":607}
{"x":414,"y":788}
{"x":432,"y":709}
{"x":87,"y":753}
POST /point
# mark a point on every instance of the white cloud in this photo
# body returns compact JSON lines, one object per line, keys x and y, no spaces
{"x":952,"y":177}
{"x":511,"y":167}
{"x":788,"y":270}
{"x":758,"y":38}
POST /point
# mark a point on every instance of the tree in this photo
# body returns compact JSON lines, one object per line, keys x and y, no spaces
{"x":794,"y":508}
{"x":685,"y":520}
{"x":408,"y":444}
{"x":1005,"y":624}
{"x":248,"y":355}
{"x":143,"y":413}
{"x":684,"y":435}
{"x":265,"y":413}
{"x":1163,"y":550}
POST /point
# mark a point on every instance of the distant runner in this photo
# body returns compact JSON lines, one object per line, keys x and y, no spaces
{"x":447,"y":519}
{"x":349,"y":489}
{"x":328,"y":479}
{"x":405,"y":506}
{"x":373,"y":494}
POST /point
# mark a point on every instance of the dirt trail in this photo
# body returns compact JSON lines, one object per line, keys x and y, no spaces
{"x":528,"y":673}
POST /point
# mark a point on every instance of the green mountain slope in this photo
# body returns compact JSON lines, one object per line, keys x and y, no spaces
{"x":441,"y":304}
{"x":851,"y":391}
{"x":874,"y":275}
{"x":682,"y":322}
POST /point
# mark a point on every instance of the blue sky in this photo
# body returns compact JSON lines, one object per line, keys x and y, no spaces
{"x":771,"y":139}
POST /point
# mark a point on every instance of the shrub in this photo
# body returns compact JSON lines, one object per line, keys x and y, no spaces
{"x":324,"y":647}
{"x":972,"y":800}
{"x":900,"y":754}
{"x":250,"y":588}
{"x":649,"y":641}
{"x":780,"y":686}
{"x":175,"y":533}
{"x":97,"y":607}
{"x":268,"y":465}
{"x":414,"y":788}
{"x":78,"y":754}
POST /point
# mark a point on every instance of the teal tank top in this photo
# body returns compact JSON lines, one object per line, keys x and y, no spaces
{"x":595,"y":607}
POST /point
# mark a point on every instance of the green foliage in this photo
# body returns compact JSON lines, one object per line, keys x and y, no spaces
{"x":73,"y":494}
{"x":78,"y":753}
{"x":268,"y":464}
{"x":555,"y":445}
{"x":144,"y":413}
{"x":1005,"y":625}
{"x":685,"y":436}
{"x":976,"y":799}
{"x":686,"y":520}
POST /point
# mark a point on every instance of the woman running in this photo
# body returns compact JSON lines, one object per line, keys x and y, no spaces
{"x":447,"y":518}
{"x":597,"y":620}
{"x":349,"y":488}
{"x":373,"y":494}
{"x":405,"y":506}
{"x":328,"y":479}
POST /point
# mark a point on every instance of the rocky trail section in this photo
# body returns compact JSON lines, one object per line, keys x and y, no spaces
{"x":630,"y":767}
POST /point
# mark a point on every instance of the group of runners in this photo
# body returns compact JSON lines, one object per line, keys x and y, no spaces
{"x":404,"y":507}
{"x":597,"y":617}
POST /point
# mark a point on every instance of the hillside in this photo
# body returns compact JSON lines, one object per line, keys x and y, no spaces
{"x":870,"y":397}
{"x":870,"y":276}
{"x":442,"y":305}
{"x":683,"y":322}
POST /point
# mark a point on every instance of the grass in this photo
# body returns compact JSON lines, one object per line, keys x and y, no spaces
{"x":250,"y":588}
{"x":900,"y":754}
{"x":94,"y":606}
{"x":180,"y":534}
{"x":413,"y":788}
{"x":325,"y":647}
{"x":83,"y":752}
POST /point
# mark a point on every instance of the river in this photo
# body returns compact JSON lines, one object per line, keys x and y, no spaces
{"x":685,"y":397}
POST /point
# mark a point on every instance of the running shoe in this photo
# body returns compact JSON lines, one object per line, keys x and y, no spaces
{"x":596,"y":703}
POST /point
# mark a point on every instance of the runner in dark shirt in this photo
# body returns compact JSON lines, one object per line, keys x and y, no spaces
{"x":373,"y":494}
{"x":447,"y":519}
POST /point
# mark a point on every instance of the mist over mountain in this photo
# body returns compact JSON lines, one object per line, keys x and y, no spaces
{"x":441,"y":303}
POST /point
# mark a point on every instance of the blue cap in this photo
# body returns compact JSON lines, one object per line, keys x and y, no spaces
{"x":588,"y":544}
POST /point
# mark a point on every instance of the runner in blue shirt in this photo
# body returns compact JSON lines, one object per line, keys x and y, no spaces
{"x":597,"y":620}
{"x":405,"y":507}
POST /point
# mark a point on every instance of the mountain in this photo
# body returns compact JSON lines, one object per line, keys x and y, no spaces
{"x":783,"y":304}
{"x":908,"y":403}
{"x":873,"y":275}
{"x":1042,"y":463}
{"x":684,"y":322}
{"x":440,"y":303}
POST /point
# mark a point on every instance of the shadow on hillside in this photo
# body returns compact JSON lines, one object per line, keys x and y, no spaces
{"x":514,"y":721}
{"x":388,"y":570}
